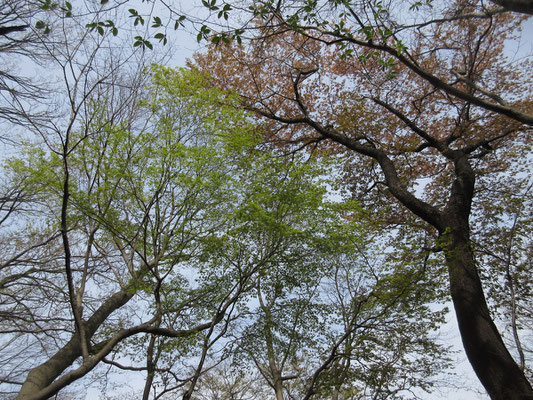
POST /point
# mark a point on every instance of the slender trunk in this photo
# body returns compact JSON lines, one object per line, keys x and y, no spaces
{"x":510,"y":284}
{"x":278,"y":389}
{"x":150,"y":368}
{"x":274,"y":370}
{"x":269,"y":342}
{"x":514,"y":325}
{"x":152,"y":357}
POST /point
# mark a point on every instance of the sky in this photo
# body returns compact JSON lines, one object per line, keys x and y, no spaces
{"x":184,"y":47}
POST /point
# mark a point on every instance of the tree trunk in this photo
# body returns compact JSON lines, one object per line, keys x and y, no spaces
{"x":43,"y":375}
{"x":521,"y":6}
{"x":150,"y":369}
{"x":274,"y":370}
{"x":483,"y":344}
{"x":484,"y":347}
{"x":335,"y":394}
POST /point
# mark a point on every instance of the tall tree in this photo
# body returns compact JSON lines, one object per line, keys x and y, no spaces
{"x":121,"y":195}
{"x":320,"y":300}
{"x":157,"y":221}
{"x":419,"y":102}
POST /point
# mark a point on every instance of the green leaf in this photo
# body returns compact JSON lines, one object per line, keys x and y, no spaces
{"x":157,"y":22}
{"x":138,"y":41}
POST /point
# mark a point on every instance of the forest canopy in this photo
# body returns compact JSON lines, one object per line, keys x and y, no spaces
{"x":290,"y":216}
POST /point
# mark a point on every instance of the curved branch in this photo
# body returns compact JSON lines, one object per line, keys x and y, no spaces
{"x":438,"y":83}
{"x":423,"y":134}
{"x":426,"y":211}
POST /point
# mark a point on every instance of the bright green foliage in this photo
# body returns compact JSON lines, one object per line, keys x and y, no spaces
{"x":143,"y":196}
{"x":321,"y":278}
{"x":179,"y":206}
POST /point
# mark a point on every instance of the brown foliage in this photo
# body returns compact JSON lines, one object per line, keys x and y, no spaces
{"x":415,"y":115}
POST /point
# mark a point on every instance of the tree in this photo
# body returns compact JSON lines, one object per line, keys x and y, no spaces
{"x":409,"y":102}
{"x":381,"y":301}
{"x":173,"y":222}
{"x":30,"y":264}
{"x":119,"y":201}
{"x":286,"y":215}
{"x":320,"y":301}
{"x":318,"y":75}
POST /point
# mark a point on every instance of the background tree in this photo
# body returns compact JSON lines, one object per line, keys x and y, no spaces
{"x":31,"y":263}
{"x":502,"y":239}
{"x":320,"y":301}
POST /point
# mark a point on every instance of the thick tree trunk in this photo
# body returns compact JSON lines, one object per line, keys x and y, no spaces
{"x":483,"y":344}
{"x":484,"y":347}
{"x":521,"y":6}
{"x":43,"y":375}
